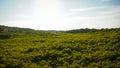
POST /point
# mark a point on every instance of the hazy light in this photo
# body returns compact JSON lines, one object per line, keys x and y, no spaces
{"x":46,"y":13}
{"x":60,"y":14}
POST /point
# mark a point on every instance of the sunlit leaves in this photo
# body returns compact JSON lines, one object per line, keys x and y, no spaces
{"x":62,"y":50}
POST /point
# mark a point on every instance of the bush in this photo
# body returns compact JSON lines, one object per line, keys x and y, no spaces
{"x":4,"y":36}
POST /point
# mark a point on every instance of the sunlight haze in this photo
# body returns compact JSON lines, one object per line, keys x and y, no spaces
{"x":60,"y":14}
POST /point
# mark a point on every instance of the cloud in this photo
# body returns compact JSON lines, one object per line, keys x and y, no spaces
{"x":96,"y":22}
{"x":86,"y":9}
{"x":77,"y":11}
{"x":99,"y":10}
{"x":82,"y":9}
{"x":112,"y":11}
{"x":105,"y":17}
{"x":104,"y":0}
{"x":89,"y":8}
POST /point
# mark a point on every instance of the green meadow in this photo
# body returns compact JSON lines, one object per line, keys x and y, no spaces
{"x":83,"y":48}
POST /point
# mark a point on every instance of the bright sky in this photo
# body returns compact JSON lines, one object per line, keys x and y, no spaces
{"x":60,"y":14}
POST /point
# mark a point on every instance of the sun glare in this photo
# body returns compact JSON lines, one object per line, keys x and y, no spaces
{"x":46,"y":11}
{"x":59,"y":14}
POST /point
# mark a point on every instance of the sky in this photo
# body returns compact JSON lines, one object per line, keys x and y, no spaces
{"x":60,"y":14}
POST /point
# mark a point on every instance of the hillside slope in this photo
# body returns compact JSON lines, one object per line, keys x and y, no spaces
{"x":99,"y":49}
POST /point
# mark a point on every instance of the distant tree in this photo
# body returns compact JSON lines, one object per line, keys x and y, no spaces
{"x":3,"y":30}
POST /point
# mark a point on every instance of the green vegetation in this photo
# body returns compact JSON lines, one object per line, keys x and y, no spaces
{"x":91,"y":48}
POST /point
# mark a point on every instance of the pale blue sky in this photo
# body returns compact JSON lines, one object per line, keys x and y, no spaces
{"x":60,"y":14}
